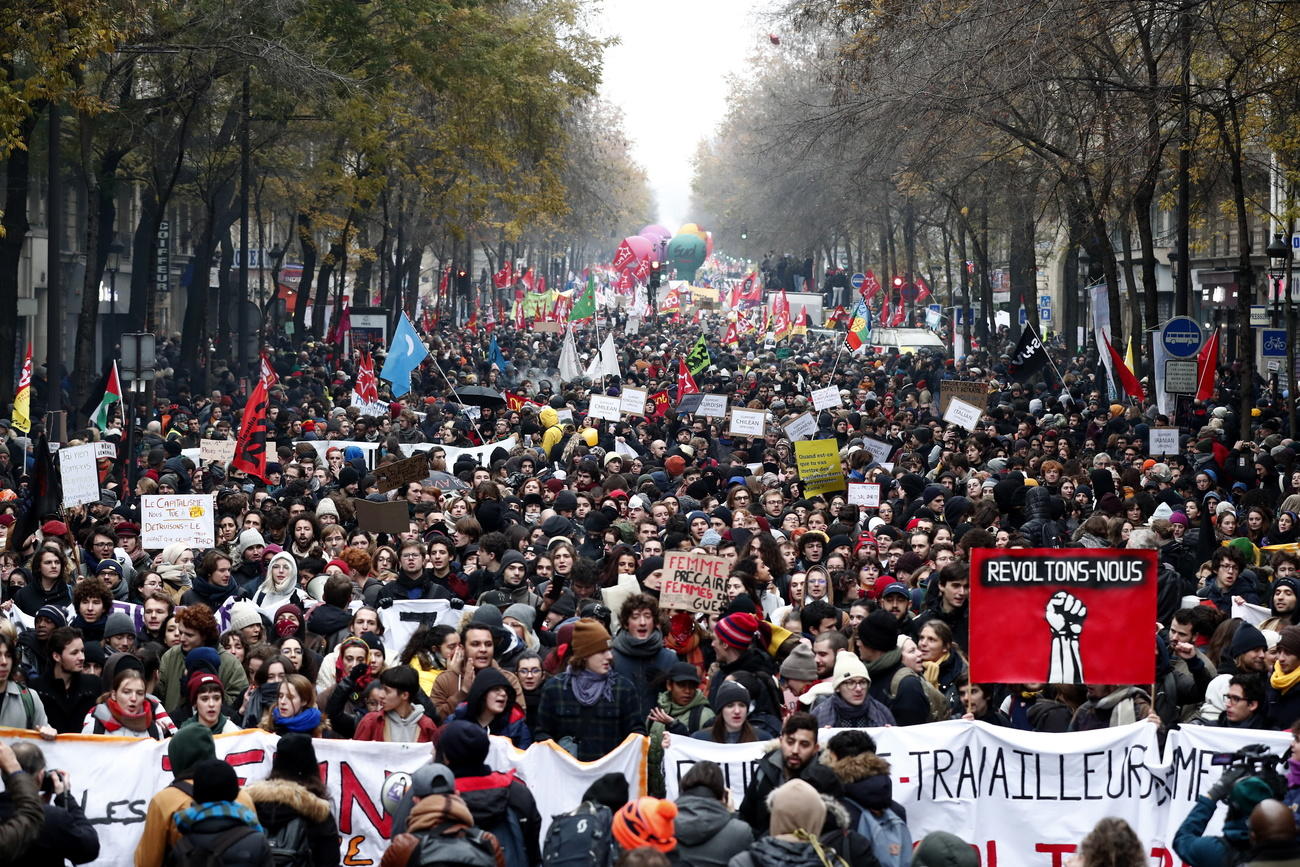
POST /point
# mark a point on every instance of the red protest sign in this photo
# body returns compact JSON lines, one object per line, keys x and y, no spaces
{"x":1062,"y":615}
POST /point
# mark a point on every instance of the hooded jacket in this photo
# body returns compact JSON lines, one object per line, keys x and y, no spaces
{"x":867,"y":784}
{"x":445,"y":815}
{"x":279,"y":802}
{"x":388,"y":726}
{"x":778,"y":852}
{"x":644,"y":662}
{"x":553,"y":433}
{"x":708,"y":834}
{"x":511,"y":724}
{"x":270,"y":596}
{"x":503,"y":806}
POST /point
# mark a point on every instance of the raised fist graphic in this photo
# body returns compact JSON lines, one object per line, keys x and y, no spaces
{"x":1065,"y":614}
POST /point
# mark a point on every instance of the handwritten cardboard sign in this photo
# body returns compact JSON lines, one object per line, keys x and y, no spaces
{"x":693,"y":582}
{"x":169,"y":518}
{"x":403,"y":472}
{"x":219,"y":452}
{"x":746,"y":422}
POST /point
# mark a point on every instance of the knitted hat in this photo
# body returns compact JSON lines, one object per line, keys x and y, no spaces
{"x":118,"y":623}
{"x":1246,"y":639}
{"x":326,"y":507}
{"x":589,"y":638}
{"x":675,"y":465}
{"x":797,"y":806}
{"x":525,"y":614}
{"x":800,"y":665}
{"x":295,"y":757}
{"x":711,"y":539}
{"x":646,"y":822}
{"x":463,"y":747}
{"x":1290,"y":640}
{"x":847,"y":667}
{"x":729,"y":692}
{"x":246,"y":540}
{"x":244,"y":613}
{"x":54,"y":613}
{"x":214,"y":780}
{"x":200,"y":679}
{"x":188,"y":747}
{"x":942,"y":849}
{"x":373,"y":641}
{"x":737,"y":630}
{"x":879,"y":631}
{"x":203,"y":659}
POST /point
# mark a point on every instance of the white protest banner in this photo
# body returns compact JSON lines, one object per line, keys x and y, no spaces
{"x":404,"y":616}
{"x":369,"y":450}
{"x":865,"y":494}
{"x":80,"y":475}
{"x":961,"y":413}
{"x":746,"y":422}
{"x":481,"y":455}
{"x":184,"y":518}
{"x":604,"y":406}
{"x":880,"y":451}
{"x":800,"y":427}
{"x":825,"y":398}
{"x":219,"y":452}
{"x":1164,"y":441}
{"x":106,"y":450}
{"x":713,"y":405}
{"x":693,"y":582}
{"x":632,"y":400}
{"x":1251,"y":613}
{"x":1021,"y":798}
{"x":114,"y":779}
{"x":375,"y":409}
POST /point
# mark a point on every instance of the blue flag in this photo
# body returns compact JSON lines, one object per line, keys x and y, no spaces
{"x":405,"y":353}
{"x":495,"y":357}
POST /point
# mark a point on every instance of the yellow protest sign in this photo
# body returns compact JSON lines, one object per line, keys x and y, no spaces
{"x":819,"y":466}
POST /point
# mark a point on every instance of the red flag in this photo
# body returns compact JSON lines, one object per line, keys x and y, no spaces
{"x":781,"y":316}
{"x":870,"y":286}
{"x":732,"y":337}
{"x":516,"y":402}
{"x":268,"y":372}
{"x":626,"y":281}
{"x":656,"y":404}
{"x":340,"y":327}
{"x":367,"y":387}
{"x":623,"y":256}
{"x":750,"y":290}
{"x":528,"y":279}
{"x":504,"y":277}
{"x":519,"y":313}
{"x":922,"y":291}
{"x":1126,"y":378}
{"x":642,"y":270}
{"x":250,"y":445}
{"x":541,"y":284}
{"x":685,"y":382}
{"x":444,"y":281}
{"x":1207,"y":361}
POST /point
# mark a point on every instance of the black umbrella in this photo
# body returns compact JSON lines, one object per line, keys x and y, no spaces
{"x":477,"y":395}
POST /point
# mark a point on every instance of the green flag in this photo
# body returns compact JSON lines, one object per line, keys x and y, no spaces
{"x":585,"y":306}
{"x":698,"y":358}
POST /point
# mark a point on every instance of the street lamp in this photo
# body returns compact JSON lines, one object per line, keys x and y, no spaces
{"x":1279,"y":271}
{"x":112,"y":336}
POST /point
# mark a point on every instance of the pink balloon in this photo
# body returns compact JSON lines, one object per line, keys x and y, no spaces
{"x":642,"y":247}
{"x":656,"y":230}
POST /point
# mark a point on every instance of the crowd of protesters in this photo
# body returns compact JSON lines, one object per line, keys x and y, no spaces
{"x":837,"y":616}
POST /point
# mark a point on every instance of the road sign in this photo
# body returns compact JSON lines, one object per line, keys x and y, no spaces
{"x":1259,"y":316}
{"x":1180,"y":377}
{"x":857,"y":280}
{"x":1272,"y":343}
{"x":1182,"y":337}
{"x":1024,"y":317}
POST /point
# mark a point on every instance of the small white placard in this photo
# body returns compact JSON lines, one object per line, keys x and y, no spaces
{"x":632,"y":401}
{"x":961,"y":413}
{"x":825,"y":398}
{"x":865,"y":494}
{"x":80,"y":475}
{"x":184,"y":518}
{"x":564,"y":416}
{"x":713,"y":405}
{"x":880,"y":451}
{"x":800,"y":427}
{"x":1164,"y":441}
{"x":106,"y":450}
{"x":747,"y":422}
{"x":217,"y":451}
{"x":604,"y":406}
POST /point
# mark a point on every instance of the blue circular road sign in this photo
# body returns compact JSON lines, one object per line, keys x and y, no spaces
{"x":857,"y":280}
{"x":1182,"y":337}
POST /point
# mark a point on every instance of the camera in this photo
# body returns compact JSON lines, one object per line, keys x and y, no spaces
{"x":51,"y":776}
{"x":1256,"y":756}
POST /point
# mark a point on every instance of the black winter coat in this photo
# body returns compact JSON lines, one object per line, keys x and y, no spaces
{"x":279,"y":802}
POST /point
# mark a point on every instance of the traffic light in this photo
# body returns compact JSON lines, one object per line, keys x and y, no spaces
{"x":654,"y":276}
{"x":898,"y":282}
{"x":462,"y":281}
{"x":744,"y":233}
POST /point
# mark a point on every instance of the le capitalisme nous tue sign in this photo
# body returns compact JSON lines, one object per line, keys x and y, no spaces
{"x":1073,"y":615}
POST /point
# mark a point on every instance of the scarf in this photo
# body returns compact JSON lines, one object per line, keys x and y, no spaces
{"x":589,"y":687}
{"x":887,"y":661}
{"x":134,"y":722}
{"x":851,"y":715}
{"x":930,"y":670}
{"x":641,"y":648}
{"x":305,"y":720}
{"x":1122,"y":703}
{"x":1283,"y":682}
{"x":683,"y":640}
{"x":189,"y":817}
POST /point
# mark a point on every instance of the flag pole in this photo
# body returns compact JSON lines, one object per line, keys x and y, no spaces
{"x":1047,"y":352}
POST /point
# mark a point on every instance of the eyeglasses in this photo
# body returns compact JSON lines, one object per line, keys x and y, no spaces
{"x":527,"y":672}
{"x":1233,"y":699}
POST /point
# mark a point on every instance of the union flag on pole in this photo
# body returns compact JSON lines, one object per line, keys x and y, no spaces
{"x":656,"y":404}
{"x":922,"y":291}
{"x":367,"y":387}
{"x":732,"y":337}
{"x":516,"y":402}
{"x":250,"y":445}
{"x":781,"y":316}
{"x":268,"y":372}
{"x":800,"y":327}
{"x":870,"y":286}
{"x":504,"y":277}
{"x":685,"y":382}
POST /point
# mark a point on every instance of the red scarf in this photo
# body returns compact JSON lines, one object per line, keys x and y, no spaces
{"x":134,"y":722}
{"x":341,"y":670}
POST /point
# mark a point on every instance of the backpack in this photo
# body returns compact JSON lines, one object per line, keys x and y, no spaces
{"x":940,"y":709}
{"x":290,"y":846}
{"x":469,"y":848}
{"x":580,"y":837}
{"x":188,"y":853}
{"x":890,"y":840}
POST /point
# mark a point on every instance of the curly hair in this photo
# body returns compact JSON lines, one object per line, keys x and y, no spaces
{"x":1112,"y":843}
{"x":93,"y":588}
{"x":358,"y":561}
{"x":198,"y":618}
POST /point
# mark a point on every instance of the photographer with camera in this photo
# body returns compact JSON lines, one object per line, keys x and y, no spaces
{"x":65,"y":836}
{"x":1250,"y":777}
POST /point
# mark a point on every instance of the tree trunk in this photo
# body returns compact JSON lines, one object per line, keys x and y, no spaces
{"x":308,"y":242}
{"x":1136,"y":326}
{"x":1142,"y":202}
{"x":17,"y":171}
{"x":101,"y":196}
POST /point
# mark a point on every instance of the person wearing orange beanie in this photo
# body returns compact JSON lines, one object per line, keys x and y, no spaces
{"x":646,"y":822}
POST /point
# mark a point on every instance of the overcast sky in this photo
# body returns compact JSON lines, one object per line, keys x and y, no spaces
{"x":669,"y":75}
